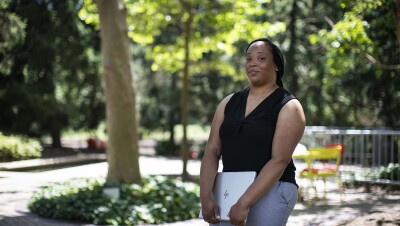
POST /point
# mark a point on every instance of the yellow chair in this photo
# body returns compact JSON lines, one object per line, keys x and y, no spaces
{"x":322,"y":163}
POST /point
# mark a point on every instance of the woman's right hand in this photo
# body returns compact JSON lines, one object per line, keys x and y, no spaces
{"x":210,"y":212}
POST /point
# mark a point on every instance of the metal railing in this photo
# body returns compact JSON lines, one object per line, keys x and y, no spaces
{"x":364,"y":149}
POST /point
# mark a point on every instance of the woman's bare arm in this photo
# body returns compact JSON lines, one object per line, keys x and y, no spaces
{"x":209,"y":166}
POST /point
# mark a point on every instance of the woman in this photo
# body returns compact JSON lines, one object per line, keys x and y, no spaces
{"x":256,"y":129}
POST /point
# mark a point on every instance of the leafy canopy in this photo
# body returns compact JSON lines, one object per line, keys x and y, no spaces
{"x":217,"y":26}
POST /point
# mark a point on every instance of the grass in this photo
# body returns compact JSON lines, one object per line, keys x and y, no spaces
{"x":194,"y":132}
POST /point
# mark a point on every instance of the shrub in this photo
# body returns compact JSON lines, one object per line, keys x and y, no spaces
{"x":164,"y":147}
{"x":158,"y":200}
{"x":18,"y":148}
{"x":391,"y":172}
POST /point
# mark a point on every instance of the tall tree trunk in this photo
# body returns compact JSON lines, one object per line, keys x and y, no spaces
{"x":55,"y":131}
{"x":122,"y":146}
{"x":172,"y":111}
{"x":397,"y":18}
{"x":185,"y":88}
{"x":294,"y":83}
{"x":57,"y":119}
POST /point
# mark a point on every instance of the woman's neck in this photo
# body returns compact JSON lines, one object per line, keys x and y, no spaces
{"x":263,"y":90}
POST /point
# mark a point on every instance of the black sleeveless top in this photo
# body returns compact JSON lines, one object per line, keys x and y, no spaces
{"x":246,"y":142}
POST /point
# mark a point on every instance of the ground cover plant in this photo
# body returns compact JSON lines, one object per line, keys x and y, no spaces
{"x":391,"y":172}
{"x":14,"y":148}
{"x":377,"y":179}
{"x":158,"y":200}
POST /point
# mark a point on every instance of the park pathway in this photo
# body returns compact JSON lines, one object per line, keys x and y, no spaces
{"x":17,"y":187}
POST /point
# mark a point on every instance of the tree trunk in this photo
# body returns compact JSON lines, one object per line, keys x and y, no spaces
{"x":172,"y":111}
{"x":185,"y":89}
{"x":122,"y":145}
{"x":57,"y":119}
{"x":397,"y":19}
{"x":294,"y":83}
{"x":55,"y":132}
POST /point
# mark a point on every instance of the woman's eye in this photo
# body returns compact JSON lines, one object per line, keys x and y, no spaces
{"x":261,"y":58}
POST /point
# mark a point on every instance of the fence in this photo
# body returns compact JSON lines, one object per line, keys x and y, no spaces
{"x":364,"y":149}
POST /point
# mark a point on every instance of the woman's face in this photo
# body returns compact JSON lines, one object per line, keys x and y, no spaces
{"x":260,"y":66}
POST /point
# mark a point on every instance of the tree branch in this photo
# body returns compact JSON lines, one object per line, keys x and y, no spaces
{"x":368,"y":56}
{"x":381,"y":65}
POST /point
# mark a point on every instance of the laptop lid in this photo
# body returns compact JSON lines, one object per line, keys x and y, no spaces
{"x":228,"y":188}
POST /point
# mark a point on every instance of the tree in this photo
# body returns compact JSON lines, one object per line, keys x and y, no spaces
{"x":304,"y":67}
{"x":123,"y":154}
{"x":13,"y":33}
{"x":363,"y":46}
{"x":330,"y":46}
{"x":205,"y":26}
{"x":47,"y":79}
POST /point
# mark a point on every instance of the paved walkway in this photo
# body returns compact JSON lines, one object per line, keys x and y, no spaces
{"x":17,"y":187}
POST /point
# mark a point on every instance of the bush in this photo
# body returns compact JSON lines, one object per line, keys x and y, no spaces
{"x":164,"y":147}
{"x":391,"y":172}
{"x":18,"y":148}
{"x":158,"y":200}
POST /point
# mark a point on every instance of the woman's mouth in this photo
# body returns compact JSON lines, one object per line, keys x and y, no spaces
{"x":252,"y":72}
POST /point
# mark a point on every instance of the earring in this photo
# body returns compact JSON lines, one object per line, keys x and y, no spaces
{"x":276,"y":69}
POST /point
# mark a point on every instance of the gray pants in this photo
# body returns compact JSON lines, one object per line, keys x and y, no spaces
{"x":274,"y":208}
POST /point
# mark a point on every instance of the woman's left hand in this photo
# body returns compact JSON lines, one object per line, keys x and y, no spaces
{"x":238,"y":214}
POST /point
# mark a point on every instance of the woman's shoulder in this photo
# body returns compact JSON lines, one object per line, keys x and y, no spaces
{"x":286,"y":96}
{"x":293,"y":107}
{"x":290,"y":102}
{"x":235,"y":95}
{"x":226,"y":99}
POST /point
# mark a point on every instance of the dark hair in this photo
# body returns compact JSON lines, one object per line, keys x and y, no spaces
{"x":278,"y":58}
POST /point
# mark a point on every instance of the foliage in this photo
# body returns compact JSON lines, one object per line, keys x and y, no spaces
{"x":341,"y":53}
{"x":164,"y":147}
{"x":50,"y":80}
{"x":346,"y":38}
{"x":361,"y":46}
{"x":75,"y":199}
{"x":14,"y":148}
{"x":158,"y":200}
{"x":217,"y":28}
{"x":390,"y":172}
{"x":12,"y":33}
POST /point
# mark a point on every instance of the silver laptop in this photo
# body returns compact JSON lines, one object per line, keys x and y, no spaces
{"x":228,"y":188}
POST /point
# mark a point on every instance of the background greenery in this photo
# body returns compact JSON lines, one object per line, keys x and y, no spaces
{"x":157,"y":200}
{"x":13,"y":148}
{"x":342,"y":61}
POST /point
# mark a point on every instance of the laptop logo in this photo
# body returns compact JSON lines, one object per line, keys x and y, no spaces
{"x":226,"y":194}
